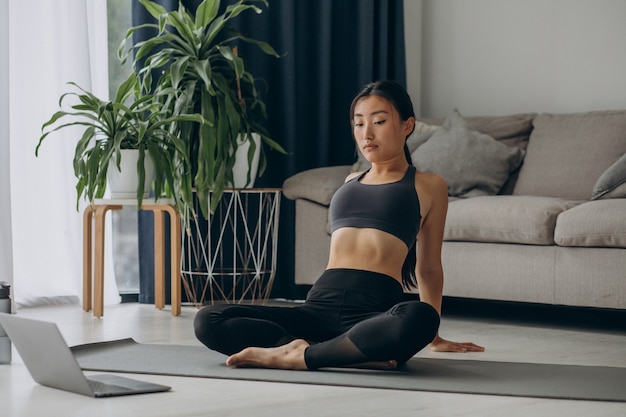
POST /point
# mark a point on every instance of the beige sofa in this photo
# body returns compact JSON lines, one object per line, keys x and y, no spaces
{"x":552,"y":232}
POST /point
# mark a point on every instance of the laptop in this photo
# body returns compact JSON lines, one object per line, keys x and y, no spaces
{"x":51,"y":362}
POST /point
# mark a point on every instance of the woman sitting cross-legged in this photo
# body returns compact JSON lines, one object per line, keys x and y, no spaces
{"x":354,"y":315}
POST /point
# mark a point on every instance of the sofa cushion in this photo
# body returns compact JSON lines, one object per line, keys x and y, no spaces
{"x":568,"y":152}
{"x":318,"y":184}
{"x":612,"y":182}
{"x":599,"y":223}
{"x":513,"y":130}
{"x":505,"y":219}
{"x":471,"y":162}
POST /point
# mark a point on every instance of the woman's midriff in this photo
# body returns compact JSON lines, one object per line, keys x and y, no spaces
{"x":369,"y":250}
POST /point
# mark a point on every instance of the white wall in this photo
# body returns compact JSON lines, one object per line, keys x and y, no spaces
{"x":496,"y":57}
{"x":6,"y":252}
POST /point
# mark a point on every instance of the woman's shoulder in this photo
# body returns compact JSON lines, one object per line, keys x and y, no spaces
{"x":435,"y":183}
{"x":432,"y":190}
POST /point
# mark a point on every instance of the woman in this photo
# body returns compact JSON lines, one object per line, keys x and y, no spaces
{"x":354,"y":315}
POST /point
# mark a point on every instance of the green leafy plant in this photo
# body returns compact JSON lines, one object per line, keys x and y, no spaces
{"x":130,"y":121}
{"x":201,"y":72}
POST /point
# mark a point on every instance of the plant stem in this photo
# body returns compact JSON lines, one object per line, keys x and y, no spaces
{"x":239,"y":96}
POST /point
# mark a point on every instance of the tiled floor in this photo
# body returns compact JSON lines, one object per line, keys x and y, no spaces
{"x":548,"y":336}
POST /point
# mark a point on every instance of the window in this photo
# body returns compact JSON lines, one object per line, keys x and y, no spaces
{"x":125,"y":245}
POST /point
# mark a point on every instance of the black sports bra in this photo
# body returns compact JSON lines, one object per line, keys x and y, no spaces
{"x":393,"y":207}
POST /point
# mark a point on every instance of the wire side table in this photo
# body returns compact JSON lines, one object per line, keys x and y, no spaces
{"x":231,"y":256}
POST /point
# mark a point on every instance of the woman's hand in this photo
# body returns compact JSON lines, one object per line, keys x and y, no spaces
{"x":441,"y":345}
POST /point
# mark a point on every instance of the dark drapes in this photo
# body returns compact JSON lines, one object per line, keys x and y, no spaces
{"x":330,"y":50}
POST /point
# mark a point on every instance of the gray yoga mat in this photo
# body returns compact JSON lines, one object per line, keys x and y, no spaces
{"x":599,"y":383}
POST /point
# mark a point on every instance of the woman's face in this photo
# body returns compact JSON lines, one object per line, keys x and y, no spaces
{"x":378,"y":130}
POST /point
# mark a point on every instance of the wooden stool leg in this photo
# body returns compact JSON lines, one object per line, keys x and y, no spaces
{"x":98,"y":276}
{"x":159,"y":258}
{"x":175,"y":238}
{"x":87,"y":256}
{"x":98,"y":280}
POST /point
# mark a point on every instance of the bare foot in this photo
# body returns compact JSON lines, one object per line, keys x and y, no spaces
{"x":289,"y":356}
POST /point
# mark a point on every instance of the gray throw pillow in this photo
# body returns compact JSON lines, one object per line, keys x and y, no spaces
{"x":612,"y":182}
{"x":472,"y":163}
{"x":421,"y":134}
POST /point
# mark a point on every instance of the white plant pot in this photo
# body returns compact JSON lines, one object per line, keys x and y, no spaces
{"x":240,"y":169}
{"x":123,"y":183}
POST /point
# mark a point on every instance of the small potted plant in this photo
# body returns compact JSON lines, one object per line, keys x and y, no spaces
{"x":130,"y":122}
{"x":201,"y":72}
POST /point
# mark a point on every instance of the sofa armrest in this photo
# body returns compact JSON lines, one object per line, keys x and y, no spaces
{"x":318,"y":184}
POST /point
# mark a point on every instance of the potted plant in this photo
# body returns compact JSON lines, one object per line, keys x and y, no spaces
{"x":130,"y":121}
{"x":201,"y":72}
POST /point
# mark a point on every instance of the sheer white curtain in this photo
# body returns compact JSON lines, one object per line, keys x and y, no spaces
{"x":6,"y":251}
{"x":50,"y":44}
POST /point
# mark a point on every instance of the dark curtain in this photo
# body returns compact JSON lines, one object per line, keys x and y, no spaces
{"x":330,"y":50}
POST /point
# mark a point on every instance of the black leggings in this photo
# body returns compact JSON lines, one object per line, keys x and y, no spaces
{"x":349,"y":317}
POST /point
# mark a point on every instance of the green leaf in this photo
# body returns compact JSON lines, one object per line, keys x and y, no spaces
{"x":206,"y":12}
{"x":264,"y":46}
{"x":125,"y":88}
{"x":227,"y":53}
{"x":144,"y":48}
{"x":273,"y":144}
{"x":250,"y":156}
{"x":203,"y":70}
{"x":176,"y":19}
{"x":154,"y":9}
{"x":141,"y":176}
{"x":177,"y":70}
{"x":82,"y":145}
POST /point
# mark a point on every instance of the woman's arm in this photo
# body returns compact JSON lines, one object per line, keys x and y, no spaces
{"x":429,"y":269}
{"x":434,"y":196}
